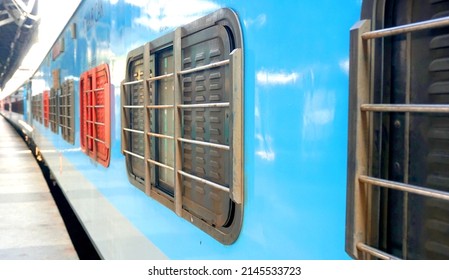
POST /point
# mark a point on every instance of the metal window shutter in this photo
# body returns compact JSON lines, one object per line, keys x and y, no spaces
{"x":207,"y":124}
{"x":66,"y":111}
{"x":53,"y":112}
{"x":191,"y":162}
{"x":46,"y":105}
{"x":95,"y":114}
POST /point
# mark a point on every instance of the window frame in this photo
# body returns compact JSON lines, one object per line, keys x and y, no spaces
{"x":37,"y":104}
{"x":67,"y":111}
{"x":91,"y":143}
{"x":374,"y":108}
{"x":53,"y":110}
{"x":126,"y":115}
{"x":46,"y":107}
{"x":228,"y":21}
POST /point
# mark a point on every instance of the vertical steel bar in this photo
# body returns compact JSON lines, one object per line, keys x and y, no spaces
{"x":358,"y":135}
{"x":177,"y":119}
{"x":94,"y":111}
{"x":405,"y":164}
{"x":124,"y":118}
{"x":147,"y":116}
{"x":237,"y":126}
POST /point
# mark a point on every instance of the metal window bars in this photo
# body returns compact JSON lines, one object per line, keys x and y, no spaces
{"x":35,"y":106}
{"x":38,"y":107}
{"x":235,"y":63}
{"x":66,"y":111}
{"x":95,"y":114}
{"x":46,"y":106}
{"x":53,"y":110}
{"x":360,"y":184}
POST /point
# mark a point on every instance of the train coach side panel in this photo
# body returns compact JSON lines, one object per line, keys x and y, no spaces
{"x":295,"y":87}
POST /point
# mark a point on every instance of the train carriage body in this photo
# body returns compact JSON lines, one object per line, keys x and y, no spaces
{"x":206,"y":129}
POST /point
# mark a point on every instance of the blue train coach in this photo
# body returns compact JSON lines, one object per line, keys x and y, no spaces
{"x":223,"y":129}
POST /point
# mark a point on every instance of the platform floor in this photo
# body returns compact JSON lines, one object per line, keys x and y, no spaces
{"x":30,"y":224}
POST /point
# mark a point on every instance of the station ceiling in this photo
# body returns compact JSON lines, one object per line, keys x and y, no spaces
{"x":18,"y":25}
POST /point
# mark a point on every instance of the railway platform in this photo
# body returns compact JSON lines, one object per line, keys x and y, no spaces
{"x":31,"y":226}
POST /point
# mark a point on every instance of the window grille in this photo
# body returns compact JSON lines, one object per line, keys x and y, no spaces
{"x":53,"y":110}
{"x":66,"y":111}
{"x":398,"y":187}
{"x":95,"y":114}
{"x":46,"y":105}
{"x":37,"y":107}
{"x":182,"y":122}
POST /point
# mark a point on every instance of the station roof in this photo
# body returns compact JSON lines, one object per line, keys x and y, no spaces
{"x":52,"y":16}
{"x":18,"y":25}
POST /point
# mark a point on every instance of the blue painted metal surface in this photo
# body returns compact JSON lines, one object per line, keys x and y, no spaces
{"x":295,"y":123}
{"x":25,"y":93}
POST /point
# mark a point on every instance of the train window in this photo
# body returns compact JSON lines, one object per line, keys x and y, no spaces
{"x":182,"y":119}
{"x":34,"y":107}
{"x":37,"y":107}
{"x":66,"y":111}
{"x":95,"y":114}
{"x":6,"y":106}
{"x":46,"y":106}
{"x":53,"y":110}
{"x":17,"y":103}
{"x":398,"y":180}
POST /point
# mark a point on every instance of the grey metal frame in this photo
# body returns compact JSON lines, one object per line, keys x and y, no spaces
{"x":53,"y":110}
{"x":224,"y":17}
{"x":362,"y":187}
{"x":66,"y":109}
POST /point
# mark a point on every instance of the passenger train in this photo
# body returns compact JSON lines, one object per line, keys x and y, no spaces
{"x":225,"y":129}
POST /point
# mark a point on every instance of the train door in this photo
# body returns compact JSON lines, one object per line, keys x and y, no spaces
{"x":398,"y":175}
